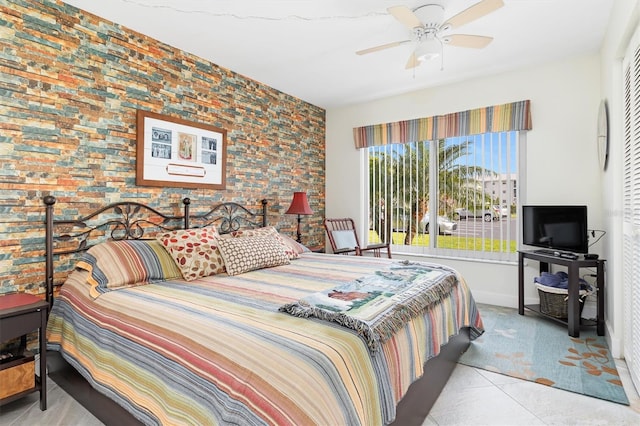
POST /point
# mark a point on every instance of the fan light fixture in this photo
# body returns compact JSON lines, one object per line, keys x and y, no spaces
{"x":428,"y":50}
{"x":430,"y":30}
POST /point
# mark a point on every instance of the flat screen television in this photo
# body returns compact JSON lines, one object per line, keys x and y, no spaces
{"x":561,"y":228}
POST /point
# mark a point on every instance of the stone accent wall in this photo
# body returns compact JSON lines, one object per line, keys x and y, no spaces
{"x":70,"y":85}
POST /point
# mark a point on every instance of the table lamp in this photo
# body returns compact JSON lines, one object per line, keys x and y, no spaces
{"x":300,"y":206}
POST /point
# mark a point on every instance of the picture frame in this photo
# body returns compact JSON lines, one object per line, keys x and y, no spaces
{"x":173,"y":152}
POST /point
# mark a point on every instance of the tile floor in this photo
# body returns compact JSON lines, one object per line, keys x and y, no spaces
{"x":478,"y":397}
{"x":472,"y":397}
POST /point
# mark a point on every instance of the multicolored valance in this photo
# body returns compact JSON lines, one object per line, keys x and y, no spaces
{"x":497,"y":118}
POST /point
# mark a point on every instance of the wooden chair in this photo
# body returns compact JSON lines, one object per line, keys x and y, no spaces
{"x":344,"y":239}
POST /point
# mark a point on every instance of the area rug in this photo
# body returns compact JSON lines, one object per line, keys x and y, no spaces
{"x":540,"y":350}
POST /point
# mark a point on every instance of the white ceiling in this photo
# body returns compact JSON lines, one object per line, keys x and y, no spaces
{"x":306,"y":48}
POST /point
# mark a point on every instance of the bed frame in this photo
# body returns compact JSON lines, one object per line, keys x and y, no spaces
{"x":64,"y":238}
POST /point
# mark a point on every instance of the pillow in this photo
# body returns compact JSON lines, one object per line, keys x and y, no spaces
{"x":294,"y":245}
{"x":126,"y":263}
{"x":195,"y":251}
{"x":244,"y":254}
{"x":290,"y":251}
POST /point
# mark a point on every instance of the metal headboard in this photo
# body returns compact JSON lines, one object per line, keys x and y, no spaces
{"x":227,"y":217}
{"x":130,"y":220}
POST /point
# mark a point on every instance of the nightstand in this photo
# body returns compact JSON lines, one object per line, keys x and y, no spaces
{"x":21,"y":314}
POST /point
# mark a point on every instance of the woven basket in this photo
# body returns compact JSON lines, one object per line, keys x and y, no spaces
{"x":554,"y":301}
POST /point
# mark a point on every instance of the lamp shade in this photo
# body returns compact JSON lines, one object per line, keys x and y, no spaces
{"x":299,"y":204}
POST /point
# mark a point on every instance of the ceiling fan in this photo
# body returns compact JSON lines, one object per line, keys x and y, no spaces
{"x":430,"y":30}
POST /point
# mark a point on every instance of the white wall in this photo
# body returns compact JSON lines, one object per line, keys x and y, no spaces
{"x":562,"y":162}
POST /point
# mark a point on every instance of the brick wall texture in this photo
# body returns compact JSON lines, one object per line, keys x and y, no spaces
{"x":70,"y":85}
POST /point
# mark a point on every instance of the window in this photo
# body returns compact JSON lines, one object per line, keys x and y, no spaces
{"x":453,"y":177}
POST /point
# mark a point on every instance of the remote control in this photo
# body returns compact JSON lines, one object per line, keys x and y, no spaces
{"x":568,"y":256}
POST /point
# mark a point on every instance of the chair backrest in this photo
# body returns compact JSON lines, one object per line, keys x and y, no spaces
{"x":342,"y":234}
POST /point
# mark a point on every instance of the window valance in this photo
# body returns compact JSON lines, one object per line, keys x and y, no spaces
{"x":497,"y":118}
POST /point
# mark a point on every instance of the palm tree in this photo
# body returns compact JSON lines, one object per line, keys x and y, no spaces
{"x":399,"y":184}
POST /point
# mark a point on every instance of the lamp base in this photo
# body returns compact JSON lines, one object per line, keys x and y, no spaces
{"x":298,"y":233}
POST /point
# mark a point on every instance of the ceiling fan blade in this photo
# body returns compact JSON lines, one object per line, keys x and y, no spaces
{"x":412,"y":62}
{"x":405,"y":16}
{"x":465,"y":40}
{"x":381,"y":47}
{"x":474,"y":12}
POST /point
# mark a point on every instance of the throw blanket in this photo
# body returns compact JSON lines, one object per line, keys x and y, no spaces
{"x":378,"y":305}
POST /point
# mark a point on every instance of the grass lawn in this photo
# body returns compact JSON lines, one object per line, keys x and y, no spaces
{"x":453,"y":242}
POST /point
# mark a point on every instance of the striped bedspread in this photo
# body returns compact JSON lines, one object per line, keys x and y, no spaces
{"x":217,"y":351}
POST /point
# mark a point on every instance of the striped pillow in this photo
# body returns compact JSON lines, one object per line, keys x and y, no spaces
{"x":127,"y":263}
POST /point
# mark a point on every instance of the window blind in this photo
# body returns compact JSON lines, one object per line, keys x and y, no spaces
{"x":631,"y":208}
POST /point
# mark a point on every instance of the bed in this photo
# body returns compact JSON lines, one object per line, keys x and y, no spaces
{"x":236,"y":338}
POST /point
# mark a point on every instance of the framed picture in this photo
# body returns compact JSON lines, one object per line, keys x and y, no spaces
{"x":179,"y":153}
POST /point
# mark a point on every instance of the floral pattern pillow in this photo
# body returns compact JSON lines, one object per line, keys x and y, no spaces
{"x":195,"y":251}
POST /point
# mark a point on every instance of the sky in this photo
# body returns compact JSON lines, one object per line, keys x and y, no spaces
{"x":492,"y":151}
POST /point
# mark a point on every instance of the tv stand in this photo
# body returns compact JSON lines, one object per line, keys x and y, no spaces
{"x":573,"y":321}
